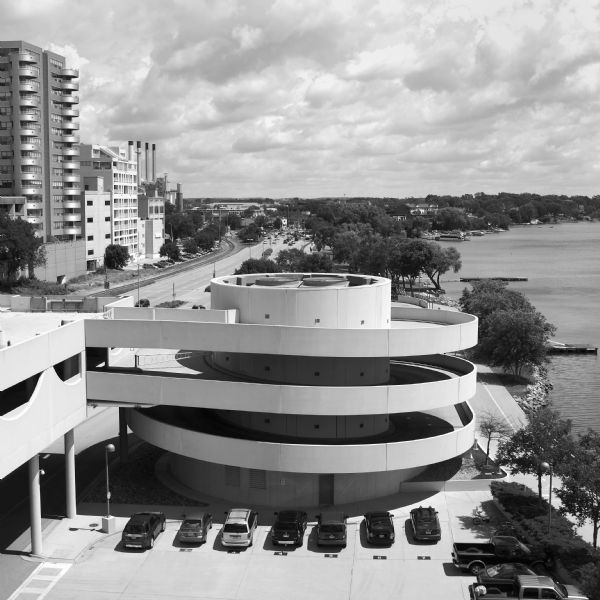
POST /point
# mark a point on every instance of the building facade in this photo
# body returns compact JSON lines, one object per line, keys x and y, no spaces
{"x":120,"y":178}
{"x":151,"y":228}
{"x":39,"y":144}
{"x":97,"y":214}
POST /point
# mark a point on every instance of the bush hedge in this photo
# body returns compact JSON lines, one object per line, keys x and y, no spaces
{"x":562,"y":545}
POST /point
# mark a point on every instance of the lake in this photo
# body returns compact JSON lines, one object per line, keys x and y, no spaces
{"x":562,"y":264}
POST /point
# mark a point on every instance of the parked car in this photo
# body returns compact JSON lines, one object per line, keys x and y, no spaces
{"x":425,"y":524}
{"x":240,"y":525}
{"x":194,"y":529}
{"x":289,"y":527}
{"x":331,"y":529}
{"x":142,"y":529}
{"x":379,"y":527}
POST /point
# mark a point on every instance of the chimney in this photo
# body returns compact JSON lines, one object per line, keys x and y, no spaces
{"x":153,"y":162}
{"x":146,"y":160}
{"x":179,"y":198}
{"x":130,"y":150}
{"x":138,"y":152}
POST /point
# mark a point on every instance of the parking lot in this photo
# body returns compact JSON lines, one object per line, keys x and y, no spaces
{"x":102,"y":569}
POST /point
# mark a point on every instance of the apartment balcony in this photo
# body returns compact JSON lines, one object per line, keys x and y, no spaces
{"x":25,"y":147}
{"x":72,"y":204}
{"x":71,"y":86}
{"x":71,"y":178}
{"x":34,"y":205}
{"x":70,"y":139}
{"x":72,"y":191}
{"x":4,"y":60}
{"x":70,"y":112}
{"x":69,"y":73}
{"x":72,"y":230}
{"x":29,"y":132}
{"x":35,"y":220}
{"x":70,"y":165}
{"x":26,"y":57}
{"x":28,"y":71}
{"x":70,"y":151}
{"x":33,"y":86}
{"x":6,"y":161}
{"x":72,"y":218}
{"x":30,"y":162}
{"x":70,"y":125}
{"x":26,"y":177}
{"x":27,"y":190}
{"x":68,"y":99}
{"x":29,"y":117}
{"x":29,"y":101}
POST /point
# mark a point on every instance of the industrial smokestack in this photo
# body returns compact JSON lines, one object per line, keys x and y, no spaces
{"x":130,"y":150}
{"x":179,"y":198}
{"x":138,"y":151}
{"x":153,"y":162}
{"x":146,"y":159}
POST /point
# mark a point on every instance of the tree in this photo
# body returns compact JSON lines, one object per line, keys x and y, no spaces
{"x":206,"y":238}
{"x":441,"y":261}
{"x":493,"y":427}
{"x":257,"y":265}
{"x":251,"y":233}
{"x":514,"y":340}
{"x":20,"y":248}
{"x":170,"y":250}
{"x":115,"y":256}
{"x":580,"y":489}
{"x":190,"y":246}
{"x":290,"y":260}
{"x":545,"y":438}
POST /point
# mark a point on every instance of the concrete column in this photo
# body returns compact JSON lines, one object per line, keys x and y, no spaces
{"x":123,"y":442}
{"x":35,"y":505}
{"x":71,"y":493}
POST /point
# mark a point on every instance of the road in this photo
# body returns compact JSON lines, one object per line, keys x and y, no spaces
{"x":190,"y":285}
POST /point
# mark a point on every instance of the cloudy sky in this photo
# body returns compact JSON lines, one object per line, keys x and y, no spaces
{"x":311,"y":98}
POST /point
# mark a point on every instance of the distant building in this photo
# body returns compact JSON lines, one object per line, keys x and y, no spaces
{"x":151,"y":225}
{"x":119,"y":172}
{"x":423,"y":209}
{"x":39,"y":145}
{"x":97,"y":214}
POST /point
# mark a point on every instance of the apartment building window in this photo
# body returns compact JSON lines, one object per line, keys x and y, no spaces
{"x":57,"y":197}
{"x":107,"y":218}
{"x":56,"y":118}
{"x":107,"y":236}
{"x":5,"y":110}
{"x":90,"y":238}
{"x":31,"y":154}
{"x":90,"y":203}
{"x":58,"y":225}
{"x":57,"y":158}
{"x":56,"y":131}
{"x":57,"y":172}
{"x":57,"y":184}
{"x":90,"y":219}
{"x":6,"y":154}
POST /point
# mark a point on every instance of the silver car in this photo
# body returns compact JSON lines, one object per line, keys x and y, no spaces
{"x":240,"y":525}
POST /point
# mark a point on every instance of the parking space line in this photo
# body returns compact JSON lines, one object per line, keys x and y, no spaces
{"x":39,"y":584}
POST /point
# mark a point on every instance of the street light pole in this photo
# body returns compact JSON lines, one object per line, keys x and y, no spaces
{"x":108,"y":448}
{"x":548,"y":467}
{"x":138,"y":286}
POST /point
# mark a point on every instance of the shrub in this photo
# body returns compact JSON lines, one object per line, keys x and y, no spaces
{"x":143,"y":303}
{"x":170,"y":304}
{"x":561,"y":543}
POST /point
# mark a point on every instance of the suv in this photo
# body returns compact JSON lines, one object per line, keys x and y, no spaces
{"x":425,"y":524}
{"x":194,"y":529}
{"x":379,"y":527}
{"x":331,"y":529}
{"x":142,"y":529}
{"x":289,"y":527}
{"x":240,"y":525}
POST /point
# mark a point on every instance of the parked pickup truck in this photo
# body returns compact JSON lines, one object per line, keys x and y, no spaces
{"x":529,"y":586}
{"x":475,"y":557}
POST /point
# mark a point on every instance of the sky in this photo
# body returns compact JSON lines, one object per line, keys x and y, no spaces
{"x":285,"y":98}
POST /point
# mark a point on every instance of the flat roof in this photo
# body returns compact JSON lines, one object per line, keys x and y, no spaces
{"x":21,"y":326}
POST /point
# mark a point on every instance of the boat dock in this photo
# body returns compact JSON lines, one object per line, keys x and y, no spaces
{"x":560,"y":348}
{"x":494,"y":278}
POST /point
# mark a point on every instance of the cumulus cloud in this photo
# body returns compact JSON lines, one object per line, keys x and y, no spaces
{"x":287,"y":98}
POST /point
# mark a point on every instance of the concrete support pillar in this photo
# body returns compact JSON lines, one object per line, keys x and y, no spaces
{"x":35,"y":505}
{"x":71,"y":493}
{"x":123,"y":442}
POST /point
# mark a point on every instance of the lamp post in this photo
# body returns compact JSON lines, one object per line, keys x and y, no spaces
{"x":108,"y":448}
{"x":138,"y":283}
{"x":548,"y":467}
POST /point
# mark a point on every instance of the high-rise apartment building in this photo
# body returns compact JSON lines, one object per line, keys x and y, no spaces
{"x":39,"y":145}
{"x":119,"y":172}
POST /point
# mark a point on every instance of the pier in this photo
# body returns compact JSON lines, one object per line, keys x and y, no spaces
{"x":466,"y":279}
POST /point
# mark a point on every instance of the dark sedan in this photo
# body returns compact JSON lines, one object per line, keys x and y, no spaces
{"x":142,"y":529}
{"x":289,"y":528}
{"x":194,"y":529}
{"x":425,"y":524}
{"x":379,"y":527}
{"x":331,"y":529}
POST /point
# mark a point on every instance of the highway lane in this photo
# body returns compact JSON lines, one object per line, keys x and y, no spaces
{"x":189,"y":286}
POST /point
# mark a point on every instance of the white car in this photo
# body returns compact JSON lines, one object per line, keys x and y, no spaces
{"x":240,"y":525}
